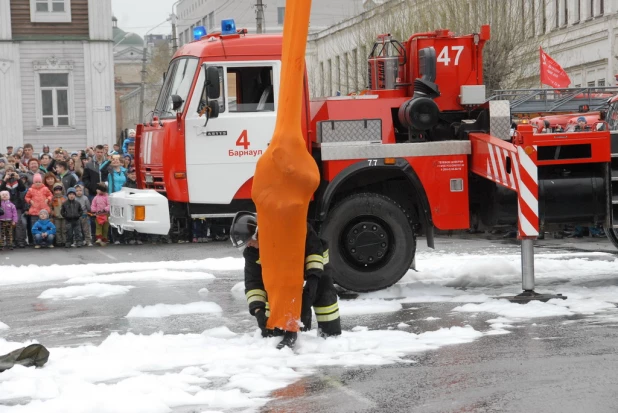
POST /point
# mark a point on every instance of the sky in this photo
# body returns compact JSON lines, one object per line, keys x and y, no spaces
{"x":139,"y":16}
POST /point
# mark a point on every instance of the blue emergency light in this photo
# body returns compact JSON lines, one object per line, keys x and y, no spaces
{"x":199,"y":32}
{"x":228,"y":26}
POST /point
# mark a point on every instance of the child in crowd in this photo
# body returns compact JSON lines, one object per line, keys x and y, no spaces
{"x":44,"y":231}
{"x":72,"y":211}
{"x":56,"y":214}
{"x":200,"y":230}
{"x":100,"y":207}
{"x":8,"y":220}
{"x":132,"y":237}
{"x":84,"y":220}
{"x":38,"y":197}
{"x":130,"y":139}
{"x":2,"y":167}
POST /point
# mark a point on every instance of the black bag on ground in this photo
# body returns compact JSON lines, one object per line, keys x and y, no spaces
{"x":33,"y":355}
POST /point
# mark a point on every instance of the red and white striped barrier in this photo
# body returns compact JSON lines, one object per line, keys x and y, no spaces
{"x":526,"y":174}
{"x":522,"y":177}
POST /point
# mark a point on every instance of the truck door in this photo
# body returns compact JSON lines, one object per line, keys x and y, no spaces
{"x":222,"y":153}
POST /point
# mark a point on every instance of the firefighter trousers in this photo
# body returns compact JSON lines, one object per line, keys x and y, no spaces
{"x":326,"y":309}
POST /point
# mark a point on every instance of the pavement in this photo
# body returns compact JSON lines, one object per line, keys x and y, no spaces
{"x":565,"y":364}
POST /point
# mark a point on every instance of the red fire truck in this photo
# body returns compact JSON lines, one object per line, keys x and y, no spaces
{"x":421,"y":150}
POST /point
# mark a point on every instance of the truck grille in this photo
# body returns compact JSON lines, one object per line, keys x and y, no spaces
{"x":157,"y":182}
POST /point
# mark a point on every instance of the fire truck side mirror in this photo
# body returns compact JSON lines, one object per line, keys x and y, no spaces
{"x":212,"y":83}
{"x":214,"y":108}
{"x":176,"y":102}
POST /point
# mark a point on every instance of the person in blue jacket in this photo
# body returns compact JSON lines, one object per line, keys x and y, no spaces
{"x":44,"y":231}
{"x":130,"y":139}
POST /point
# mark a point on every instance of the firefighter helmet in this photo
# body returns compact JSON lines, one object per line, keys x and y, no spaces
{"x":244,"y":228}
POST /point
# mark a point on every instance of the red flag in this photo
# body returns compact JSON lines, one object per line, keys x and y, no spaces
{"x":552,"y":74}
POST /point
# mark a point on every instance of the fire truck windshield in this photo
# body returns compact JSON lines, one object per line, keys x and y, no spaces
{"x":177,"y":82}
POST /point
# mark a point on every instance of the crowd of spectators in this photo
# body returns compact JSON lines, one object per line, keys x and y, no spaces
{"x":60,"y":198}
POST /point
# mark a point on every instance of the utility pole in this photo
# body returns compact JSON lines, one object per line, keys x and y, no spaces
{"x":144,"y":60}
{"x":259,"y":17}
{"x":141,"y":92}
{"x":174,"y":37}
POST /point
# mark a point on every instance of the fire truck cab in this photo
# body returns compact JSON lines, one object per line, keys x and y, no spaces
{"x":420,"y":149}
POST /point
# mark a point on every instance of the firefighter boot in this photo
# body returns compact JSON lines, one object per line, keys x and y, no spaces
{"x":289,"y":339}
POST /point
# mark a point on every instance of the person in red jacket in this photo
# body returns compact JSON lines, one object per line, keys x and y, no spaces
{"x":38,"y":197}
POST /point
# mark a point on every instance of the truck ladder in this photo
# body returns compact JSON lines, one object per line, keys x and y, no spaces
{"x":543,"y":101}
{"x":514,"y":166}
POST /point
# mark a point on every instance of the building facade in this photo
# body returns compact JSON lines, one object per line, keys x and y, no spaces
{"x":56,"y":73}
{"x":581,"y":35}
{"x":209,"y":13}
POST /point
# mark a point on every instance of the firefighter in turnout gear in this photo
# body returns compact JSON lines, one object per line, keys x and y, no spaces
{"x":319,"y":291}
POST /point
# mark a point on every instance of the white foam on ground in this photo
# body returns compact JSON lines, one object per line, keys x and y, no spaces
{"x":166,"y":310}
{"x":367,"y":306}
{"x":85,"y":291}
{"x":3,"y":326}
{"x":149,"y":275}
{"x":86,"y":273}
{"x":214,"y":370}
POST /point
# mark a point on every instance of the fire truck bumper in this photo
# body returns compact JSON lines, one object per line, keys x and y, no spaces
{"x":142,"y":210}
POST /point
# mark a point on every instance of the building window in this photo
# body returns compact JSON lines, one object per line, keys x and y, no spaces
{"x":543,"y":19}
{"x":329,"y":78}
{"x":557,"y":13}
{"x":591,"y":9}
{"x":54,"y":98}
{"x":591,"y":83}
{"x":322,"y":77}
{"x":601,"y":82}
{"x":280,"y":14}
{"x":565,"y":5}
{"x":601,"y":7}
{"x":211,"y":20}
{"x":577,"y":11}
{"x":50,"y":11}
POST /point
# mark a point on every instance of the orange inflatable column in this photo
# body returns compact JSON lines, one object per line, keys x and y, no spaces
{"x":285,"y":179}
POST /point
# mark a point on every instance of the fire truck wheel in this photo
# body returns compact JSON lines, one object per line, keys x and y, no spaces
{"x":612,"y":235}
{"x":371,"y":242}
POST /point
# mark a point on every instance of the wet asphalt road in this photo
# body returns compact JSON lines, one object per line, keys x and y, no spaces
{"x":561,"y":364}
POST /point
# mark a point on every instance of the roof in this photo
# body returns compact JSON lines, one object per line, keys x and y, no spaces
{"x":258,"y":46}
{"x":123,"y":38}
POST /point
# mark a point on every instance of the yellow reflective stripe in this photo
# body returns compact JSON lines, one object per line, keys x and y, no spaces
{"x":267,"y":305}
{"x":326,"y":310}
{"x":256,"y":295}
{"x":314,"y":258}
{"x":326,"y":260}
{"x":255,"y":292}
{"x":256,"y":298}
{"x":314,"y":265}
{"x":327,"y":317}
{"x":258,"y":262}
{"x":267,"y":312}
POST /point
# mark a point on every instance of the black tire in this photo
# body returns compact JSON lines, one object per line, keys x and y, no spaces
{"x":359,"y":260}
{"x":612,"y":235}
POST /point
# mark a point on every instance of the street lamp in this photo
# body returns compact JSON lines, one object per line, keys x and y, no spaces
{"x":144,"y":53}
{"x":174,"y":37}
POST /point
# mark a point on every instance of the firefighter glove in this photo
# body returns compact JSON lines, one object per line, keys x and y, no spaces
{"x":260,"y":316}
{"x":311,"y":288}
{"x":309,"y":294}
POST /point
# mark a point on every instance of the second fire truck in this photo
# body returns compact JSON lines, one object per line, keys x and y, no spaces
{"x":421,"y":150}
